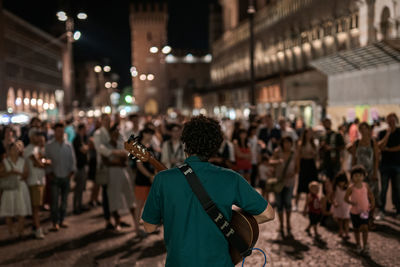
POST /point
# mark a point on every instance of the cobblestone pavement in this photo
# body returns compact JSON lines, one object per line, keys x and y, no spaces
{"x":85,"y":243}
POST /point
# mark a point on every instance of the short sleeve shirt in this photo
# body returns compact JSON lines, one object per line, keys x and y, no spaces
{"x":36,"y":174}
{"x":191,"y":238}
{"x":391,"y":158}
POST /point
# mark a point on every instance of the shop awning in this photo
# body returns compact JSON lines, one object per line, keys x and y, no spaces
{"x":367,"y":57}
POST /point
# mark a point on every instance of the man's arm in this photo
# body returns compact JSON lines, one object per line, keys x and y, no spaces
{"x":148,"y":227}
{"x":267,"y":215}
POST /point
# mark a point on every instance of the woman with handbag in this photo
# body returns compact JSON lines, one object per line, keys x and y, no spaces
{"x":284,"y":161}
{"x":15,"y":200}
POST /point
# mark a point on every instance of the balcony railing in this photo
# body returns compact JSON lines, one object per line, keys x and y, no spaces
{"x":263,"y":19}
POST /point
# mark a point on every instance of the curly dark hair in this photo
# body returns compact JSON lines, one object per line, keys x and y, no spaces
{"x":202,"y":137}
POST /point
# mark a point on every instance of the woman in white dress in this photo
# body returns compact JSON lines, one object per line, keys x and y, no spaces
{"x":15,"y":200}
{"x":119,"y":189}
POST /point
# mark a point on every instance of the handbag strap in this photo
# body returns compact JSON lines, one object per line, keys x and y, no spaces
{"x":285,"y":168}
{"x":213,"y":212}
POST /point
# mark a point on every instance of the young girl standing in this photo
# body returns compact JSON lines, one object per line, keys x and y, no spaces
{"x":15,"y":201}
{"x":341,"y":209}
{"x":361,"y":199}
{"x":313,"y":208}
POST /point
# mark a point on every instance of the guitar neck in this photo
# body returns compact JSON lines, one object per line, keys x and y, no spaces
{"x":158,"y":165}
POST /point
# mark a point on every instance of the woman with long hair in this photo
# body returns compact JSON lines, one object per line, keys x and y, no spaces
{"x":15,"y":200}
{"x":306,"y":163}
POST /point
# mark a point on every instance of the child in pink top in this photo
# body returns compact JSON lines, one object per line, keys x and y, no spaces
{"x":361,"y":199}
{"x":340,"y":208}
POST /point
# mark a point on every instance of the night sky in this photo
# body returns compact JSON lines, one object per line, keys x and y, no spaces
{"x":106,"y":34}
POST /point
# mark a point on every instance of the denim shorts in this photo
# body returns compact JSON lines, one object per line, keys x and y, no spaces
{"x":283,"y":200}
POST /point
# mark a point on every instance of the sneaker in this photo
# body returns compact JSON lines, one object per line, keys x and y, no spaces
{"x":380,"y":216}
{"x":117,"y":228}
{"x":39,"y":234}
{"x":358,"y":249}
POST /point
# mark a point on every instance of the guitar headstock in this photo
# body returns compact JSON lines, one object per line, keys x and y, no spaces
{"x":136,"y":149}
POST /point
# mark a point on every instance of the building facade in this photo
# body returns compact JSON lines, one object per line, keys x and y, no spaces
{"x":289,"y":35}
{"x":148,"y":24}
{"x":30,"y":68}
{"x":187,"y":72}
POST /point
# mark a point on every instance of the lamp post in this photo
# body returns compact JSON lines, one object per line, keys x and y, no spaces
{"x":68,"y":62}
{"x":251,"y":10}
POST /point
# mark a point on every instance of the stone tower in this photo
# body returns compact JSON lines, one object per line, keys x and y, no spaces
{"x":148,"y":24}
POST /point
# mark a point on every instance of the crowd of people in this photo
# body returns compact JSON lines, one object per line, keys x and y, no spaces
{"x":342,"y":175}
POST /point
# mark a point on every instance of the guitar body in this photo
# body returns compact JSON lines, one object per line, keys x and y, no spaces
{"x":243,"y":223}
{"x":246,"y":227}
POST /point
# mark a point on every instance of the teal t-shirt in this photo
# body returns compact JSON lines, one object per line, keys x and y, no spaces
{"x":191,"y":238}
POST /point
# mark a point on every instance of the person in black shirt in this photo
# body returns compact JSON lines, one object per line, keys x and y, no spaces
{"x":270,"y":135}
{"x":81,"y":148}
{"x":331,"y":148}
{"x":390,"y":164}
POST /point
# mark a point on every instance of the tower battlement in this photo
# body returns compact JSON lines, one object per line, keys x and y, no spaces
{"x":146,"y":8}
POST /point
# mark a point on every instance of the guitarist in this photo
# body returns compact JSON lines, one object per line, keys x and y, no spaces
{"x":191,"y":238}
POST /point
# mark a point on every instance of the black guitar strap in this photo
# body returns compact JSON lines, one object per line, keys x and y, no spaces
{"x":212,"y":210}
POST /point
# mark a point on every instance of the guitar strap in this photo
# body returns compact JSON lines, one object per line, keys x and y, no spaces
{"x":213,"y":212}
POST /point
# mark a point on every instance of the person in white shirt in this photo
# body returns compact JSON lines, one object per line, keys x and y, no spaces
{"x":36,"y":162}
{"x":101,"y":139}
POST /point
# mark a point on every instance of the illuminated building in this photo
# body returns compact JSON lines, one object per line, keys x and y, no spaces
{"x":290,"y":37}
{"x":30,"y":68}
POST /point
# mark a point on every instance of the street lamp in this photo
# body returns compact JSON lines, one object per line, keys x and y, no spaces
{"x":97,"y":69}
{"x":150,"y":77}
{"x":82,"y":16}
{"x":107,"y":68}
{"x":251,"y":10}
{"x":166,"y":49}
{"x":77,"y":35}
{"x":153,"y":49}
{"x":68,"y":63}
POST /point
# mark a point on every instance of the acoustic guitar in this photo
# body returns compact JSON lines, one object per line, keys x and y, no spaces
{"x":243,"y":223}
